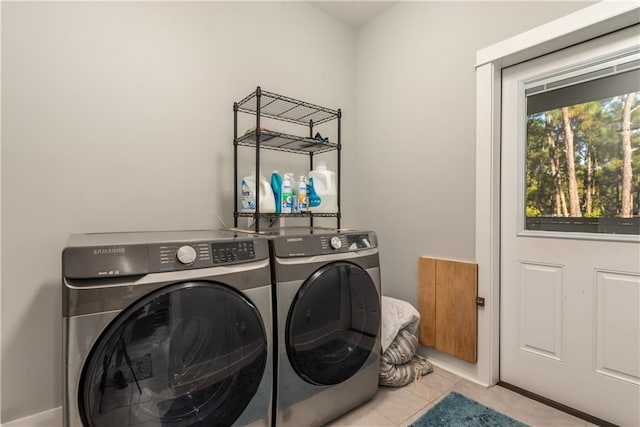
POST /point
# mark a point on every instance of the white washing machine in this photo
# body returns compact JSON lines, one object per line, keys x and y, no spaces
{"x":167,"y":329}
{"x":327,"y":294}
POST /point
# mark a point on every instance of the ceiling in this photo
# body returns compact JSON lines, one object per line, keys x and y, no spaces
{"x":353,"y":13}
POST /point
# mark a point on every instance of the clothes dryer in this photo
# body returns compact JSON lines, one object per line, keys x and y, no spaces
{"x":167,"y":329}
{"x":327,"y":293}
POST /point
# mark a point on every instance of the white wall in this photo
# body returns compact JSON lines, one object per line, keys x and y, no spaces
{"x":415,"y":103}
{"x":118,"y":117}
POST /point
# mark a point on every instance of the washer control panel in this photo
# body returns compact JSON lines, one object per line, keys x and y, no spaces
{"x":112,"y":255}
{"x":193,"y":255}
{"x":233,"y":251}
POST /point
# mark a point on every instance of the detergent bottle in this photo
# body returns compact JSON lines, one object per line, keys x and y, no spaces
{"x":325,"y":188}
{"x":276,"y":187}
{"x":248,"y":201}
{"x":314,"y":199}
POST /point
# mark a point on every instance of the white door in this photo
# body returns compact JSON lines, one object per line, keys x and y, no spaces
{"x":570,"y":265}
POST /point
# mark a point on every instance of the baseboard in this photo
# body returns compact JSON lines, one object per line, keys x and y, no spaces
{"x":453,"y":370}
{"x":564,"y":408}
{"x":440,"y":360}
{"x":49,"y":418}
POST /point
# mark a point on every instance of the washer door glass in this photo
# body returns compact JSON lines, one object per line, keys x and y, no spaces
{"x":189,"y":354}
{"x":333,"y":323}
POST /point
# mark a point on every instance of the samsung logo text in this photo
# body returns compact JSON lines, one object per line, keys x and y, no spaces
{"x":109,"y":251}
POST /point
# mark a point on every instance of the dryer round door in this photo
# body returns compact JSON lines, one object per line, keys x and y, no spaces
{"x":333,"y":324}
{"x":189,"y":354}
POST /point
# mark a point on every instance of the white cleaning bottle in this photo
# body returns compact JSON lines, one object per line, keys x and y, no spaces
{"x":248,"y":201}
{"x":286,"y":194}
{"x":326,"y":187}
{"x":294,"y":192}
{"x":303,"y":200}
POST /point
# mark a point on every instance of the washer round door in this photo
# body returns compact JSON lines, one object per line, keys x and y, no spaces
{"x":189,"y":354}
{"x":333,"y":324}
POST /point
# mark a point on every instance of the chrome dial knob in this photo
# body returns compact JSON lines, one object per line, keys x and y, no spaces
{"x":186,"y":255}
{"x":336,"y":242}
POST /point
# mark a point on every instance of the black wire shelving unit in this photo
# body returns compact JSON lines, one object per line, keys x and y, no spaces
{"x":267,"y":104}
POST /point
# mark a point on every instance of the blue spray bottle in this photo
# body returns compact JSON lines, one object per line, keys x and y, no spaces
{"x":276,"y":186}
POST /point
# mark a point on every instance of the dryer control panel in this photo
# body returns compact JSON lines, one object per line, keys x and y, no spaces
{"x":322,"y":244}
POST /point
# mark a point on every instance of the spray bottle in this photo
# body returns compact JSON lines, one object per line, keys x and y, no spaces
{"x":286,"y":194}
{"x":294,"y":191}
{"x":303,"y":200}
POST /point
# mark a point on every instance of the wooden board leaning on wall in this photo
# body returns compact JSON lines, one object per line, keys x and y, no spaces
{"x":447,"y":293}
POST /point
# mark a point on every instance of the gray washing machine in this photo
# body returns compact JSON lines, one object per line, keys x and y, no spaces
{"x":327,"y":293}
{"x":167,"y":329}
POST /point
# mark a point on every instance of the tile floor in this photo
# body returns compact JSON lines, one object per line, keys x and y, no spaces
{"x":401,"y":406}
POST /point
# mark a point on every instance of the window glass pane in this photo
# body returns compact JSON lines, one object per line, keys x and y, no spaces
{"x":583,"y":152}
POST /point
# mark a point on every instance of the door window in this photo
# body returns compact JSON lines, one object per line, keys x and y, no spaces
{"x":333,"y":324}
{"x":190,"y":354}
{"x":583,"y":149}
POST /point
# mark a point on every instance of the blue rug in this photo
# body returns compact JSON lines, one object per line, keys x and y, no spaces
{"x":455,"y":410}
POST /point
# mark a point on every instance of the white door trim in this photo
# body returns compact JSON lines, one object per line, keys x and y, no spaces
{"x":585,"y":24}
{"x":0,"y":231}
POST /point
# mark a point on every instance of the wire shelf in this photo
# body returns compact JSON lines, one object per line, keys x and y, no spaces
{"x":287,"y":109}
{"x":288,"y":215}
{"x":283,"y":142}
